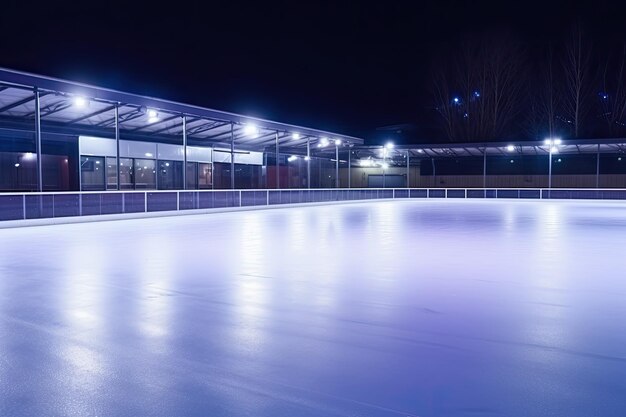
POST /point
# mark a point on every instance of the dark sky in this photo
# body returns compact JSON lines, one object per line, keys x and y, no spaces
{"x":348,"y":68}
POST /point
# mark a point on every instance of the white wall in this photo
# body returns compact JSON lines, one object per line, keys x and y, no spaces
{"x":94,"y":146}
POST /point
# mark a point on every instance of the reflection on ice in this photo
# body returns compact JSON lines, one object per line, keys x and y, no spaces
{"x":426,"y":308}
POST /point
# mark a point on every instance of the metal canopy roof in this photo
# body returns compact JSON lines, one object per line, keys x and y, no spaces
{"x":213,"y":127}
{"x":398,"y":154}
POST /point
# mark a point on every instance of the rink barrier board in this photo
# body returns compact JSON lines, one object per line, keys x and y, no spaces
{"x":47,"y":205}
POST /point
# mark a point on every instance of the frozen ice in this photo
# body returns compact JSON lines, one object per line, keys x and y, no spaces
{"x":401,"y":308}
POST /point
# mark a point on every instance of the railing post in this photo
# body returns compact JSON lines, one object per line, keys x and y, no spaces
{"x":184,"y":152}
{"x":117,"y":148}
{"x":145,"y":201}
{"x":24,"y":206}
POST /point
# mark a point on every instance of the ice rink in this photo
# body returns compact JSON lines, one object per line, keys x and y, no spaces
{"x":404,"y":308}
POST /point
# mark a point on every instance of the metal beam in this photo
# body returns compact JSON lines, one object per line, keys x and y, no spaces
{"x":18,"y":103}
{"x":232,"y":156}
{"x":126,"y":117}
{"x":308,"y":165}
{"x":38,"y":141}
{"x":117,"y":145}
{"x":277,"y":163}
{"x":206,"y":127}
{"x":336,"y":166}
{"x":90,"y":115}
{"x":167,"y":119}
{"x":177,"y":125}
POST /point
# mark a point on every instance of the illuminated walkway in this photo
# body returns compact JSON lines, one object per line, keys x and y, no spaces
{"x":429,"y":308}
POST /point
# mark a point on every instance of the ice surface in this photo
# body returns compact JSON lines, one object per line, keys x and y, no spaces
{"x":429,"y":308}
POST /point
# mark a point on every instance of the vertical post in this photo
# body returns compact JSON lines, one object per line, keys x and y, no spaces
{"x":232,"y":156}
{"x":383,"y":167}
{"x":598,"y":168}
{"x":408,"y":169}
{"x":277,"y":162}
{"x":485,"y":167}
{"x":117,"y":146}
{"x":336,"y":166}
{"x":349,"y":168}
{"x":184,"y":152}
{"x":550,"y":168}
{"x":38,"y":140}
{"x":308,"y":162}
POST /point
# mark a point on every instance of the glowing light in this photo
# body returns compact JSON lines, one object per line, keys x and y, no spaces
{"x":456,"y":100}
{"x":557,"y":141}
{"x":167,"y":164}
{"x":80,"y":101}
{"x":389,"y":145}
{"x":337,"y":142}
{"x":17,"y":165}
{"x":29,"y":155}
{"x":547,"y":142}
{"x":295,"y":135}
{"x":153,"y":116}
{"x":292,"y":158}
{"x":420,"y":151}
{"x":510,"y":148}
{"x":385,"y":165}
{"x":476,"y":94}
{"x":554,"y":149}
{"x":251,"y":130}
{"x":324,"y":142}
{"x":148,"y":154}
{"x":512,"y":161}
{"x":307,"y":158}
{"x":98,"y":162}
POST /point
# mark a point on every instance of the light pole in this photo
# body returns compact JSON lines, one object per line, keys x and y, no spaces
{"x":386,"y":149}
{"x":337,"y":143}
{"x":552,"y":144}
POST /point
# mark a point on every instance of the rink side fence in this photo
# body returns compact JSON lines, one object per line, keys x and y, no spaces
{"x":53,"y":205}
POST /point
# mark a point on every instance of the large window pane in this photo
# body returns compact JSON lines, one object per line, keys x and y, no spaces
{"x":145,"y":174}
{"x":18,"y":171}
{"x":170,"y":175}
{"x":127,"y":173}
{"x":192,"y":175}
{"x":205,"y":176}
{"x":92,"y":173}
{"x":111,"y":173}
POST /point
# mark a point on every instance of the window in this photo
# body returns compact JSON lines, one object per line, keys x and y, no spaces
{"x":145,"y":174}
{"x":111,"y":173}
{"x":92,"y":173}
{"x":170,"y":175}
{"x":127,"y":174}
{"x":205,"y":176}
{"x":192,"y":175}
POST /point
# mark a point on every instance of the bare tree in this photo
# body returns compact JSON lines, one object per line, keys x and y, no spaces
{"x":477,"y":90}
{"x":612,"y":98}
{"x":549,"y":94}
{"x":577,"y":81}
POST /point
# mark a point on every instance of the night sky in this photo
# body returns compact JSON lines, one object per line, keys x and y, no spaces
{"x":349,"y":68}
